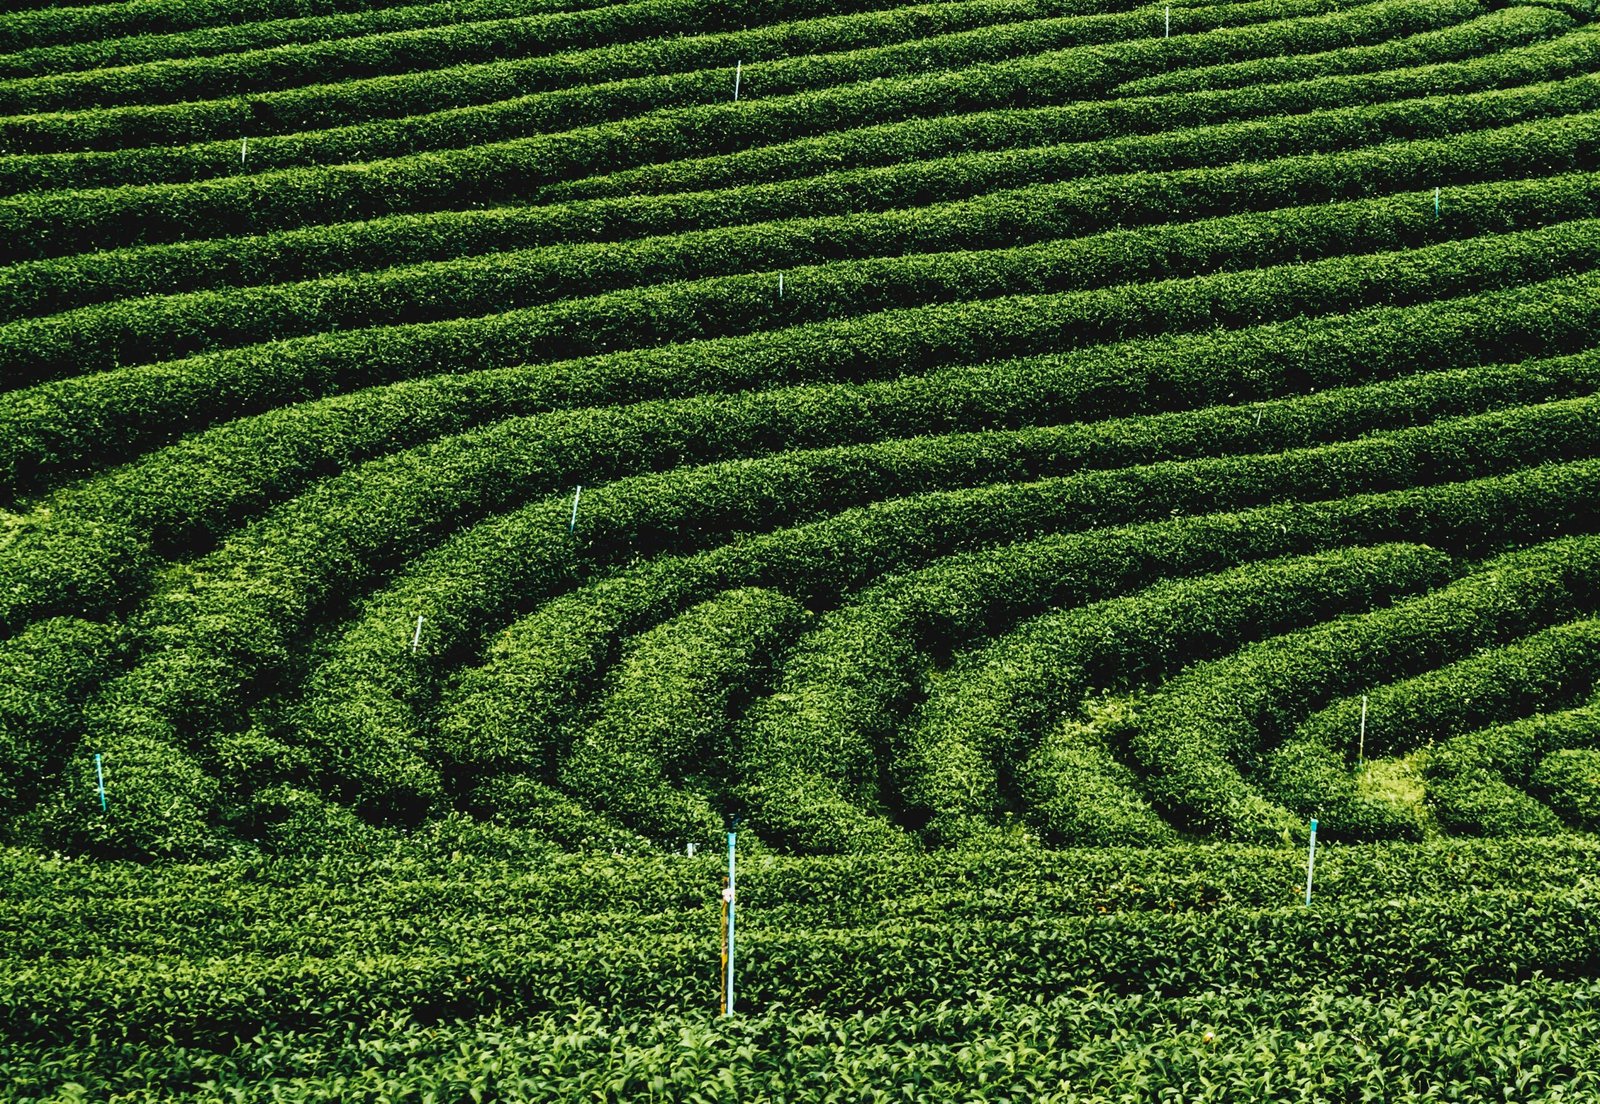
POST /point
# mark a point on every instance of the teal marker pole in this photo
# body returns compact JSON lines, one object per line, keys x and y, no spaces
{"x":1311,"y":861}
{"x":100,"y":777}
{"x":1436,"y":203}
{"x":730,"y":922}
{"x":572,"y":526}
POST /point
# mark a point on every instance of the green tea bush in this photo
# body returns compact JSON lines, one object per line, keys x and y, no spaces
{"x":1193,"y":735}
{"x":402,"y":898}
{"x":1371,"y":947}
{"x":67,"y":563}
{"x":261,"y":29}
{"x":524,"y":803}
{"x":190,"y":495}
{"x":46,"y":673}
{"x":1017,"y":130}
{"x":537,"y":669}
{"x":849,"y":681}
{"x":1024,"y":717}
{"x":61,"y":283}
{"x":49,"y":224}
{"x":1477,"y":37}
{"x":910,"y":257}
{"x":1432,"y":1039}
{"x":130,"y":404}
{"x":1132,"y":405}
{"x":1477,"y":783}
{"x":371,"y":687}
{"x":570,"y":101}
{"x":1549,"y":668}
{"x":1569,"y":779}
{"x":86,"y":20}
{"x":661,"y":748}
{"x":1005,"y":692}
{"x":1540,"y":671}
{"x":160,"y":801}
{"x":334,"y":59}
{"x":846,"y":688}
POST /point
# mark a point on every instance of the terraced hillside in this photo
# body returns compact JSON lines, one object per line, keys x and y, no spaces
{"x":1020,"y":459}
{"x":1029,"y":420}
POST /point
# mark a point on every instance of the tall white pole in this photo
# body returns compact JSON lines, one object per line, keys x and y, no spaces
{"x":738,"y":69}
{"x":416,"y":637}
{"x":730,"y":898}
{"x":1311,"y":861}
{"x":572,"y":526}
{"x":1361,"y":744}
{"x":1169,"y":20}
{"x":100,"y":778}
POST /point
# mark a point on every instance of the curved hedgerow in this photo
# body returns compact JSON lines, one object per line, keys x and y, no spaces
{"x":632,"y":40}
{"x":48,"y":224}
{"x":1006,"y":463}
{"x":166,"y":803}
{"x":191,"y":495}
{"x":908,"y":257}
{"x":38,"y":287}
{"x":50,"y":422}
{"x":1550,"y":668}
{"x":577,"y":103}
{"x":1478,"y":783}
{"x":660,"y":752}
{"x":46,"y":673}
{"x":536,"y":671}
{"x":1010,"y":709}
{"x":30,"y":26}
{"x":1087,"y":123}
{"x":461,"y":39}
{"x":1569,"y":781}
{"x":1000,"y":699}
{"x":955,"y":316}
{"x":53,"y":564}
{"x":366,"y":698}
{"x":1400,"y":56}
{"x":850,"y":680}
{"x":120,"y":44}
{"x":1191,"y":737}
{"x":976,"y":456}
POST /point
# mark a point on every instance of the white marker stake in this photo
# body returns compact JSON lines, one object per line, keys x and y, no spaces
{"x":1361,"y":744}
{"x":738,"y":67}
{"x":572,"y":526}
{"x":1311,"y":861}
{"x":780,"y":287}
{"x":244,"y":147}
{"x":1436,"y":203}
{"x":1169,"y":21}
{"x":416,"y":637}
{"x":100,"y":777}
{"x":728,"y":896}
{"x":1258,"y":417}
